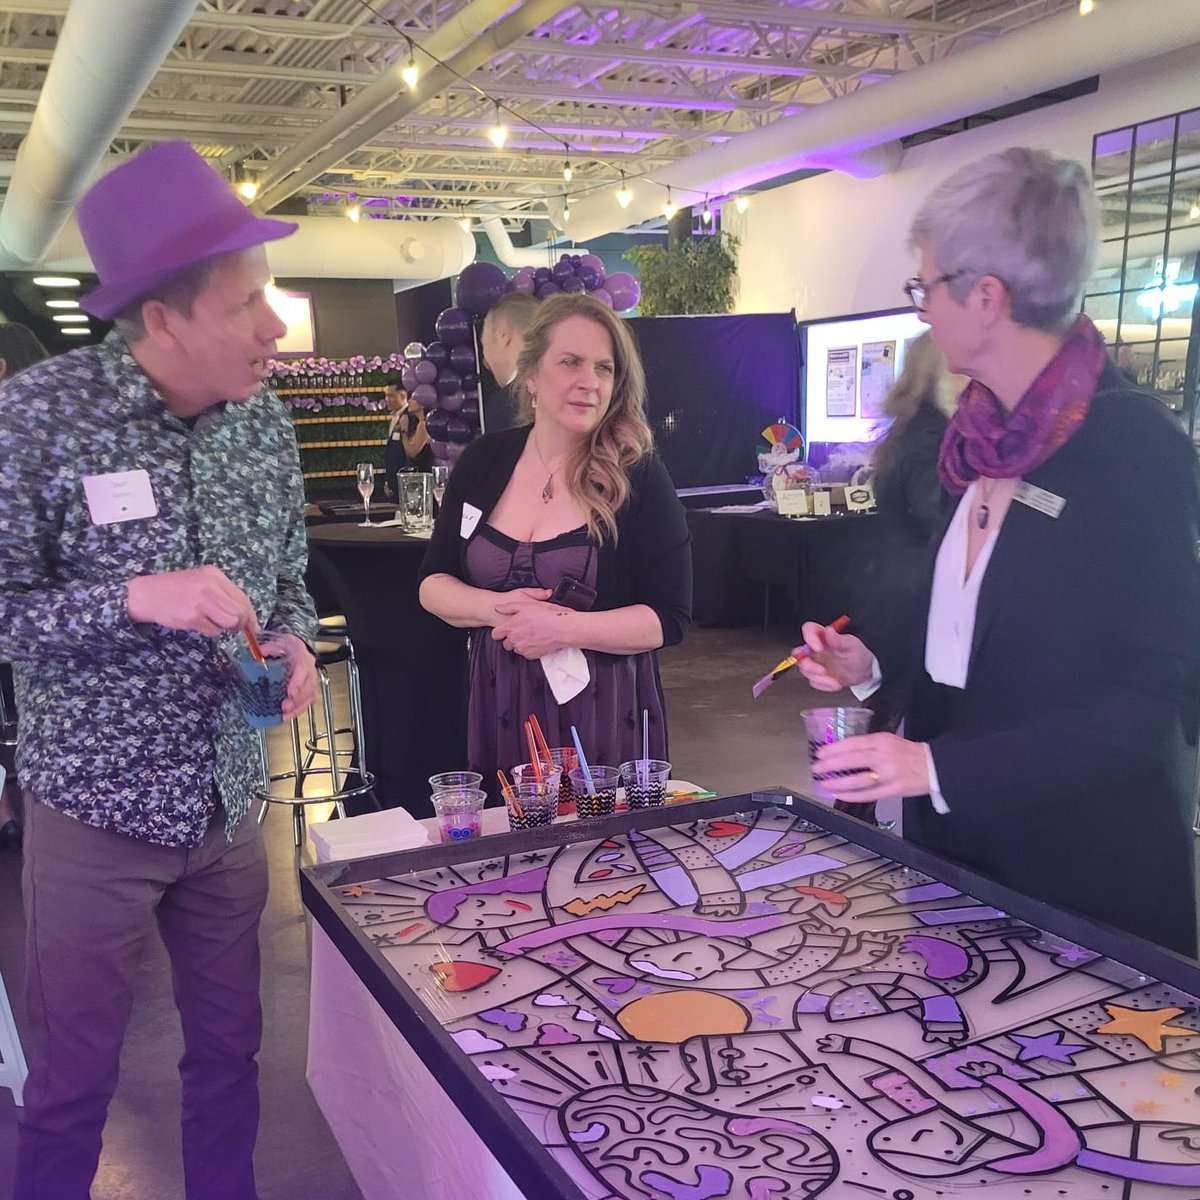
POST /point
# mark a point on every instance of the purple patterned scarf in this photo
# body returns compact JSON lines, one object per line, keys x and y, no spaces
{"x":983,"y":439}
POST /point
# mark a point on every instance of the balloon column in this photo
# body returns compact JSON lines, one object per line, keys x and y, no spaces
{"x":444,"y":379}
{"x":579,"y":273}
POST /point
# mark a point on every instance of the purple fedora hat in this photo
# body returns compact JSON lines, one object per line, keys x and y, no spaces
{"x":156,"y":215}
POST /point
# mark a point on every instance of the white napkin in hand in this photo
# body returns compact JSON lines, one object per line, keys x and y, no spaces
{"x":566,"y":672}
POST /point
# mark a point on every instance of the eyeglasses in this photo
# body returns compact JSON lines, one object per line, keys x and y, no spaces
{"x":918,"y":289}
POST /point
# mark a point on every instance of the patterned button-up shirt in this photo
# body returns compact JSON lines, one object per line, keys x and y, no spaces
{"x":126,"y":726}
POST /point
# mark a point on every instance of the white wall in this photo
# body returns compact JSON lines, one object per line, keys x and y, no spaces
{"x":834,"y":245}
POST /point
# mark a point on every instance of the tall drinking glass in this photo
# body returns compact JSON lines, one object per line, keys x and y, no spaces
{"x":441,"y":476}
{"x":366,"y":485}
{"x":416,"y":502}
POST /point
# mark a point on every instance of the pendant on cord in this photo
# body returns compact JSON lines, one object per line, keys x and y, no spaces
{"x":548,"y":490}
{"x":981,"y":517}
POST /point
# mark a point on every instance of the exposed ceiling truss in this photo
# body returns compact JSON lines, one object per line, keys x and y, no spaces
{"x":624,"y":86}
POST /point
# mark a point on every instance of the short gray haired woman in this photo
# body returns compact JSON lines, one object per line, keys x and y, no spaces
{"x":1049,"y":690}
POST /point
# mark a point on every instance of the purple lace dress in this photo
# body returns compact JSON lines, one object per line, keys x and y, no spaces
{"x":506,"y":688}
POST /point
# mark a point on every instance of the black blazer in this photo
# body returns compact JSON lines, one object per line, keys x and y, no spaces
{"x":1067,"y":760}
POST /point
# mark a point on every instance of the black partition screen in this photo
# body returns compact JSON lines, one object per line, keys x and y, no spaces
{"x":714,"y":384}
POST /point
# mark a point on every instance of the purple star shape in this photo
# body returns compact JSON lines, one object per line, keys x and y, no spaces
{"x":1046,"y":1045}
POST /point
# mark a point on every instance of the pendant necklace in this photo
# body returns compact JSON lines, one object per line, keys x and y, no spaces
{"x":981,"y":517}
{"x":548,"y":490}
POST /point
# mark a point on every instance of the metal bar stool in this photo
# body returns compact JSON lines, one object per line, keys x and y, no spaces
{"x":345,"y":782}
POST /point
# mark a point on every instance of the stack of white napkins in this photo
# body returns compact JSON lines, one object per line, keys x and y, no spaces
{"x":368,"y":835}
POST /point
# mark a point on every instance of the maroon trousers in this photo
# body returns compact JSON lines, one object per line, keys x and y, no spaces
{"x":90,"y":897}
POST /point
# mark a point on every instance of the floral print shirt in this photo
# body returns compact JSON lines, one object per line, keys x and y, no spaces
{"x":123,"y":726}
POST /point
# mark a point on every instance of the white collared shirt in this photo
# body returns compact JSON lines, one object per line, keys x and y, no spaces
{"x":950,"y":630}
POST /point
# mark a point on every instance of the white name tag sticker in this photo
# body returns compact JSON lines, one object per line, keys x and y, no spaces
{"x":1039,"y":499}
{"x":121,"y":496}
{"x":470,"y":518}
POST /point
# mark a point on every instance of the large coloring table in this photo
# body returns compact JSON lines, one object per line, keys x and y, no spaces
{"x":749,"y":999}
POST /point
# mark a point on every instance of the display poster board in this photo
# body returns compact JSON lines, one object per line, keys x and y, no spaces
{"x":878,"y":375}
{"x":848,"y":366}
{"x":841,"y":382}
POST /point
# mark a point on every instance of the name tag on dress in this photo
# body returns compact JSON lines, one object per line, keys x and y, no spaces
{"x":120,"y":496}
{"x":470,"y":518}
{"x":1039,"y":499}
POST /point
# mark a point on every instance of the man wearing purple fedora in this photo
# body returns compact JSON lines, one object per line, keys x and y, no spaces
{"x":150,"y":508}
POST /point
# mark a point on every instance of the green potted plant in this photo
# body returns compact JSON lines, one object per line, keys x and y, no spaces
{"x":696,"y":276}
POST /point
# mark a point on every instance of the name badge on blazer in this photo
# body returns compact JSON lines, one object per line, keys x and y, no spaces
{"x":1039,"y":499}
{"x":119,"y":496}
{"x":470,"y":518}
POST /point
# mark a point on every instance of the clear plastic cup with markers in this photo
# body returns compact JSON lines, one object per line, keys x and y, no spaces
{"x":599,"y":798}
{"x":551,"y":776}
{"x":534,"y":804}
{"x":645,"y":782}
{"x":566,"y":759}
{"x":825,"y":726}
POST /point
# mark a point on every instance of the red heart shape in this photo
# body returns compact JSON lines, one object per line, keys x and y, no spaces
{"x":462,"y":976}
{"x":724,"y":829}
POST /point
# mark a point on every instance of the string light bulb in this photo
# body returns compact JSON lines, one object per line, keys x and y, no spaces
{"x":670,"y":208}
{"x":466,"y":223}
{"x":354,"y":212}
{"x":1085,"y":7}
{"x":247,"y":189}
{"x":498,"y":134}
{"x":568,"y":174}
{"x":706,"y":214}
{"x":410,"y":73}
{"x":566,"y":212}
{"x":741,"y":202}
{"x":624,"y":195}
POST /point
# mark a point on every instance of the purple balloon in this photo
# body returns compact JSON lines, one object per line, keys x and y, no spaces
{"x":408,"y":376}
{"x":453,"y":327}
{"x":543,"y":275}
{"x":462,"y":359}
{"x":595,"y":262}
{"x":437,"y":354}
{"x":564,"y":258}
{"x":602,"y":295}
{"x":480,"y":285}
{"x":572,"y":284}
{"x":436,"y":421}
{"x":589,"y":277}
{"x":425,"y":371}
{"x":448,"y":381}
{"x":562,"y":270}
{"x":624,"y":290}
{"x":414,"y":351}
{"x":453,"y":401}
{"x":425,"y":394}
{"x":459,"y":430}
{"x":526,"y":270}
{"x":441,"y":450}
{"x":454,"y":452}
{"x":547,"y":289}
{"x":576,"y":259}
{"x":470,"y":409}
{"x":524,"y":283}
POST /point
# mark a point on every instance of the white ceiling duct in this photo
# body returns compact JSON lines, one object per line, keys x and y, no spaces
{"x":517,"y":256}
{"x":105,"y":57}
{"x":326,"y":247}
{"x":837,"y":134}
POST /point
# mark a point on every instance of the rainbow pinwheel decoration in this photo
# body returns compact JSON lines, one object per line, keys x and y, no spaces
{"x":784,"y":435}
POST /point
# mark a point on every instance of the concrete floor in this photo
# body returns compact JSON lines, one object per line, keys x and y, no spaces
{"x":720,"y":738}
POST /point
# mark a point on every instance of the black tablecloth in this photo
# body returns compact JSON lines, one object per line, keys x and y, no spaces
{"x":747,"y":565}
{"x":413,"y":666}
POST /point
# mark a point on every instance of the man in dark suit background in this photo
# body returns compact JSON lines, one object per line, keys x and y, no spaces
{"x":501,"y":342}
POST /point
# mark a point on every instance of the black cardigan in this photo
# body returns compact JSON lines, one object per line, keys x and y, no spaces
{"x":1067,"y":759}
{"x":651,"y":563}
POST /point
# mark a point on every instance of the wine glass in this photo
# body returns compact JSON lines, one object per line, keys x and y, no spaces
{"x":366,"y":485}
{"x":441,"y":474}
